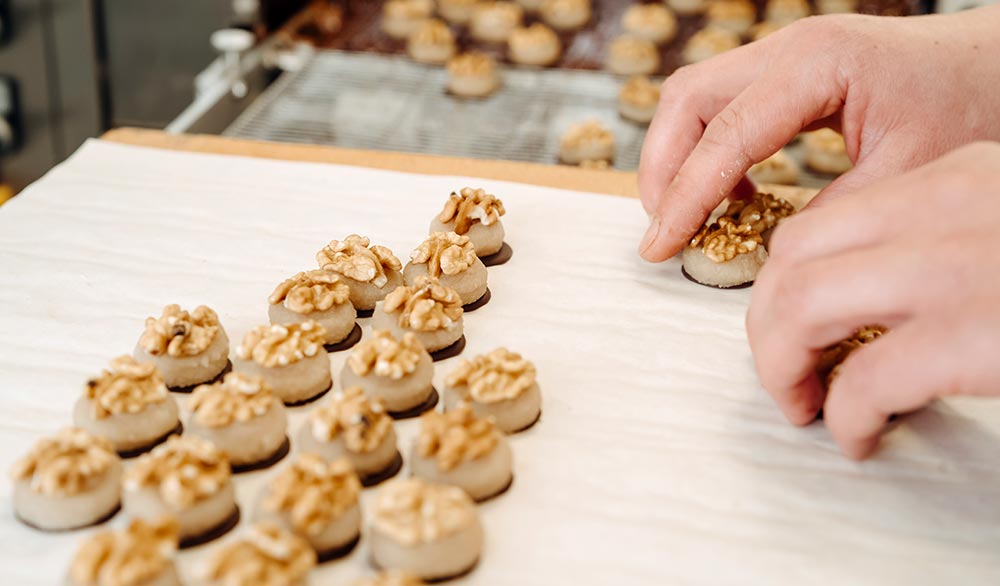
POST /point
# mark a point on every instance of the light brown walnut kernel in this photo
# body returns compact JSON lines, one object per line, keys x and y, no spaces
{"x":68,"y":463}
{"x":354,"y":258}
{"x":426,"y":306}
{"x":185,"y":471}
{"x":469,"y":206}
{"x":445,"y":253}
{"x":134,"y":556}
{"x":414,"y":511}
{"x":237,"y":398}
{"x":383,"y":355}
{"x":455,"y":436}
{"x":498,"y":375}
{"x":309,"y":291}
{"x":761,"y":213}
{"x":126,"y":387}
{"x":313,"y":493}
{"x":724,"y":239}
{"x":363,"y":422}
{"x":178,"y":333}
{"x":268,"y":556}
{"x":281,"y":345}
{"x":831,"y":358}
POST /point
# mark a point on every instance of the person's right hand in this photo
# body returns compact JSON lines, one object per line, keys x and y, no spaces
{"x":902,"y":90}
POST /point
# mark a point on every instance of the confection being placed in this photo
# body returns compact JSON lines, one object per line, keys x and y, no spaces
{"x":709,"y":42}
{"x":457,"y":12}
{"x":266,"y":556}
{"x":494,"y":20}
{"x":67,"y":481}
{"x":357,"y":428}
{"x":318,"y":501}
{"x":463,"y":450}
{"x":535,"y":44}
{"x":428,"y":309}
{"x":836,"y":6}
{"x":587,"y":141}
{"x":833,"y":356}
{"x":638,"y":98}
{"x":290,"y":358}
{"x":763,"y":212}
{"x":779,"y":168}
{"x":501,"y":385}
{"x":631,"y":55}
{"x":786,"y":11}
{"x":243,"y":418}
{"x":141,"y":554}
{"x":390,"y":578}
{"x":188,"y":348}
{"x":400,"y":18}
{"x":186,"y":478}
{"x":653,"y":22}
{"x":432,"y":42}
{"x":474,"y":213}
{"x":370,"y":271}
{"x":826,"y":151}
{"x":472,"y":75}
{"x":688,"y":7}
{"x":764,"y":28}
{"x":451,"y":259}
{"x":397,"y":371}
{"x":566,"y":15}
{"x":129,"y":405}
{"x":319,"y":296}
{"x":429,"y":530}
{"x":724,"y":254}
{"x":735,"y":16}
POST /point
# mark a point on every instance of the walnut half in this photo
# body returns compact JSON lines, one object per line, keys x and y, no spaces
{"x":445,"y":253}
{"x":354,"y":258}
{"x":426,"y":306}
{"x":724,"y":239}
{"x":469,"y":206}
{"x":493,"y":377}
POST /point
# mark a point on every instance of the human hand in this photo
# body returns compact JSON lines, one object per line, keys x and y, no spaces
{"x":917,"y":253}
{"x":902,"y":90}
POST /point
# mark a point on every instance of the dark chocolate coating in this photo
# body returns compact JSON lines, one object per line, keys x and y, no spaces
{"x":99,"y":521}
{"x":388,"y":472}
{"x":449,"y":351}
{"x":218,"y":377}
{"x":214,"y":533}
{"x":483,"y":300}
{"x":693,"y":280}
{"x":499,"y":257}
{"x":336,"y":553}
{"x":427,"y":405}
{"x":311,"y":399}
{"x":347,"y":343}
{"x":267,"y":462}
{"x":366,"y":312}
{"x":143,"y":449}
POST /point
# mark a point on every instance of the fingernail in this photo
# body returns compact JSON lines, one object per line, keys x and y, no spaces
{"x":649,"y":236}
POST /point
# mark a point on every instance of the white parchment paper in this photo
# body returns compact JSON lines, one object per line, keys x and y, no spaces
{"x":658,"y":459}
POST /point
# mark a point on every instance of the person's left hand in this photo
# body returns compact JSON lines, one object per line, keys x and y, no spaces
{"x":918,"y":253}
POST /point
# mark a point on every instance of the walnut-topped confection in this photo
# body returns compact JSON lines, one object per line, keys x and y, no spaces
{"x":426,"y":306}
{"x":834,"y":355}
{"x":186,"y":470}
{"x":134,"y":556}
{"x":586,"y":133}
{"x":268,"y":556}
{"x":126,"y":386}
{"x":455,"y":436}
{"x":354,"y":258}
{"x":313,"y":492}
{"x":640,"y":91}
{"x":382,"y":354}
{"x":498,"y":375}
{"x":414,"y":511}
{"x":363,"y":422}
{"x":309,"y":291}
{"x":724,"y":239}
{"x":68,"y":463}
{"x":180,"y":333}
{"x":472,"y":64}
{"x":471,"y":205}
{"x":281,"y":345}
{"x":445,"y":253}
{"x":238,"y":398}
{"x":391,"y":578}
{"x":761,"y":213}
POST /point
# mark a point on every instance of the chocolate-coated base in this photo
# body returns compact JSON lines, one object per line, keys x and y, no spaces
{"x":693,"y":280}
{"x":143,"y":449}
{"x":438,"y":579}
{"x":427,"y":405}
{"x":218,"y":377}
{"x":312,"y":398}
{"x":267,"y":462}
{"x":499,"y":257}
{"x":337,"y":552}
{"x":530,"y":425}
{"x":347,"y":343}
{"x":94,"y":523}
{"x":365,"y":312}
{"x":449,"y":351}
{"x":502,"y":490}
{"x":214,"y":533}
{"x":483,"y":300}
{"x":381,"y":476}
